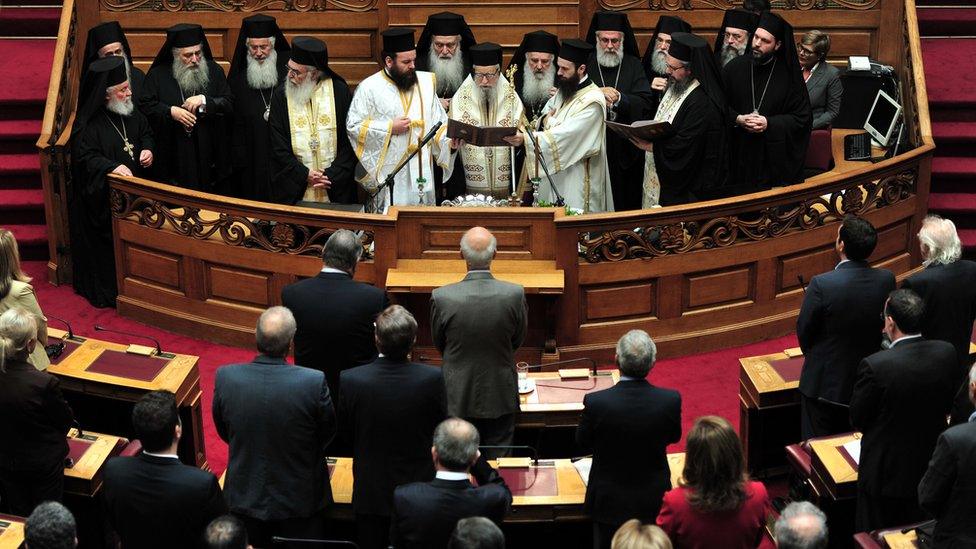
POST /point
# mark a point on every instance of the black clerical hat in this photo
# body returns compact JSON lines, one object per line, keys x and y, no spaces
{"x":114,"y":69}
{"x":613,"y":21}
{"x":773,"y":24}
{"x":540,"y":41}
{"x":681,"y":49}
{"x":258,"y":26}
{"x":486,"y":54}
{"x":739,"y":19}
{"x":307,"y":50}
{"x":576,"y":51}
{"x":398,"y":40}
{"x":666,"y":24}
{"x":101,"y":74}
{"x":446,"y":23}
{"x":100,"y":36}
{"x":695,"y":51}
{"x":184,"y":35}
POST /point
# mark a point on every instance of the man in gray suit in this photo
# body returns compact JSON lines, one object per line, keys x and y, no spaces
{"x":478,"y":324}
{"x":277,"y":420}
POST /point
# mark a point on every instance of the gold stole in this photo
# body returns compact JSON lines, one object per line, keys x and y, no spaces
{"x":313,"y":134}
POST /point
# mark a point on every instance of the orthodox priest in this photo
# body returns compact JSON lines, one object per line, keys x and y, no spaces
{"x":486,"y":98}
{"x":108,"y":39}
{"x":390,"y":114}
{"x":109,"y":136}
{"x":535,"y":77}
{"x":312,"y":159}
{"x":616,"y":68}
{"x":735,"y":35}
{"x":570,"y":137}
{"x":654,"y":65}
{"x":769,"y":108}
{"x":686,"y":164}
{"x":256,"y":74}
{"x":187,"y":99}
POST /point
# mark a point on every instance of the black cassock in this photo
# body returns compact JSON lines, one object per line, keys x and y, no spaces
{"x":199,"y":160}
{"x":251,"y":138}
{"x":97,"y":149}
{"x":691,"y":161}
{"x":774,"y":157}
{"x":137,"y":83}
{"x":289,"y":176}
{"x":626,"y":162}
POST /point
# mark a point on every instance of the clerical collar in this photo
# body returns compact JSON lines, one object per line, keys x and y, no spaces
{"x":452,"y":475}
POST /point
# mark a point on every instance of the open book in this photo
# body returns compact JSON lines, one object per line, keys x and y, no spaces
{"x":648,"y":130}
{"x":489,"y":136}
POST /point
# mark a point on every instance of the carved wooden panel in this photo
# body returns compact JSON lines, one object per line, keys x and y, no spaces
{"x":806,"y":264}
{"x":238,"y":285}
{"x":619,"y":302}
{"x":719,"y":287}
{"x":154,"y":266}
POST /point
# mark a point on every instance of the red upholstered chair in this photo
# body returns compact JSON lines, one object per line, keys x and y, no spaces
{"x":820,"y":155}
{"x":875,"y":539}
{"x":134,"y":448}
{"x":798,"y":456}
{"x":864,"y":540}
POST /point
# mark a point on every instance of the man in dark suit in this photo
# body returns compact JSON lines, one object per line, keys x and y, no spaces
{"x":948,"y":489}
{"x":840,"y":324}
{"x":389,"y":410}
{"x":477,"y":326}
{"x":335,"y":313}
{"x":628,"y":428}
{"x":425,"y":513}
{"x":153,"y":500}
{"x":278,"y":420}
{"x":900,"y":404}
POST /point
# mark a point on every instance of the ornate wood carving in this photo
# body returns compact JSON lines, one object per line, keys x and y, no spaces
{"x":679,"y":238}
{"x":238,"y":5}
{"x":65,"y":105}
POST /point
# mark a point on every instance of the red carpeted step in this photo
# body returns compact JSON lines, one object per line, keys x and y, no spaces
{"x":20,"y":171}
{"x":939,"y":3}
{"x":950,"y":83}
{"x":29,"y":21}
{"x":952,"y":202}
{"x":26,"y":69}
{"x":19,"y":136}
{"x":954,"y":167}
{"x":21,"y":206}
{"x":959,"y":21}
{"x":31,"y":241}
{"x":968,"y":237}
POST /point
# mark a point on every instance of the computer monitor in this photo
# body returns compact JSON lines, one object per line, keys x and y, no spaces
{"x":883,"y":119}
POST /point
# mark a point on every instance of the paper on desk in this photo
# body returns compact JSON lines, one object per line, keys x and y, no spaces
{"x":583,"y":468}
{"x":854,"y":449}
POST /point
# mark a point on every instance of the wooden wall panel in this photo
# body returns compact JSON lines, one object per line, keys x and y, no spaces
{"x":723,"y":287}
{"x":156,"y":267}
{"x":619,"y":302}
{"x":892,"y":241}
{"x":230,"y":283}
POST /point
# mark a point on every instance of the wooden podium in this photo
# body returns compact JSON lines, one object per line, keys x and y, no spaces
{"x":769,"y":409}
{"x":102,"y":381}
{"x":11,"y":531}
{"x":559,"y":403}
{"x":87,"y":453}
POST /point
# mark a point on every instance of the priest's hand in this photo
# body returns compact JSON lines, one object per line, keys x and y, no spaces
{"x":183,"y":116}
{"x":552,"y":91}
{"x":122,"y":169}
{"x":641,"y":144}
{"x":659,"y":83}
{"x":401,"y":125}
{"x":611,"y":95}
{"x":446,"y":103}
{"x":193,"y":103}
{"x":515,"y":140}
{"x":456,"y":143}
{"x":758,"y":124}
{"x":145,"y":158}
{"x":318,"y":180}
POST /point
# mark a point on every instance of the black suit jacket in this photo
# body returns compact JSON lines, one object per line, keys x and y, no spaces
{"x":277,"y":420}
{"x":36,"y":419}
{"x":155,"y":501}
{"x":628,"y":428}
{"x":948,"y":489}
{"x":425,"y":513}
{"x":840,"y":324}
{"x":949,"y":293}
{"x":388,"y":411}
{"x":335,"y":316}
{"x":900,"y":404}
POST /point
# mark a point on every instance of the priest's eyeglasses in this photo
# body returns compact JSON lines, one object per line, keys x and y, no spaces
{"x":484,"y":75}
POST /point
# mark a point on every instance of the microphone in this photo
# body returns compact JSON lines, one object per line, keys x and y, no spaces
{"x":71,"y":333}
{"x":803,"y":286}
{"x":390,"y":178}
{"x":339,"y":542}
{"x":77,"y":425}
{"x":159,"y":348}
{"x":560,"y":201}
{"x":591,"y":362}
{"x":430,"y":134}
{"x":535,"y":454}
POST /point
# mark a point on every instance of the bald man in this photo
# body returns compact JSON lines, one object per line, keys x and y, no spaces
{"x":478,"y":324}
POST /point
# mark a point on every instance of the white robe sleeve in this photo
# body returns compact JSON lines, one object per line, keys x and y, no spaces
{"x":371,"y":137}
{"x":573,"y":140}
{"x":441,"y":151}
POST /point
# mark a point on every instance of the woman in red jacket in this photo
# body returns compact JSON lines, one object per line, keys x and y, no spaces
{"x":715,"y":504}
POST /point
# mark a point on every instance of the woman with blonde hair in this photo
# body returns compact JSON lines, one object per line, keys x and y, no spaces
{"x":633,"y":534}
{"x":16,"y":291}
{"x":715,"y":504}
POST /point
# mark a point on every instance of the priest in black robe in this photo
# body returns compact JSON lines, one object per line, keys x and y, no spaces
{"x":690,"y":162}
{"x":108,"y":39}
{"x":443,"y":49}
{"x":734,"y":37}
{"x":615,"y":67}
{"x":109,"y":135}
{"x":653,"y":60}
{"x":298,"y":171}
{"x":187,"y":100}
{"x":256,"y":76}
{"x":769,"y":110}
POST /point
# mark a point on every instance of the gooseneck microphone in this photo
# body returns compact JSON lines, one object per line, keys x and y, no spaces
{"x":71,"y":333}
{"x":159,"y":348}
{"x":313,"y":541}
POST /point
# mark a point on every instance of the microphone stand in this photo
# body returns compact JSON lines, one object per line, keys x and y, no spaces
{"x":390,"y":179}
{"x":560,"y":201}
{"x":159,"y":348}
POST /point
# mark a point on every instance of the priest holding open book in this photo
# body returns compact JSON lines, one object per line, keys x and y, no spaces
{"x":486,"y":99}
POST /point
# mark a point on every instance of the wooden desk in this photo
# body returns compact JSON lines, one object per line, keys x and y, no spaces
{"x":548,"y":405}
{"x":104,"y":401}
{"x":833,"y":473}
{"x":11,"y":531}
{"x":424,"y":275}
{"x":769,"y":410}
{"x":84,"y":477}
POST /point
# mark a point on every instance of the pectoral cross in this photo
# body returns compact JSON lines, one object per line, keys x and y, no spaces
{"x":313,"y":144}
{"x":129,"y":149}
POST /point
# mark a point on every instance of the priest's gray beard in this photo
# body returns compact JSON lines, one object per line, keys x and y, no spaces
{"x":262,"y":75}
{"x":122,"y":107}
{"x":677,"y":87}
{"x":485,"y":96}
{"x":659,"y":62}
{"x":449,"y":72}
{"x":536,"y":86}
{"x":731,"y":52}
{"x":300,"y":94}
{"x":606,"y":58}
{"x":191,"y":79}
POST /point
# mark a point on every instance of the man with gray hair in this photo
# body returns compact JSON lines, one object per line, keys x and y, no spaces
{"x":426,"y":513}
{"x":335,"y":313}
{"x":476,"y":533}
{"x":801,"y":526}
{"x":477,"y":325}
{"x":50,"y":526}
{"x":277,"y":420}
{"x":628,"y":428}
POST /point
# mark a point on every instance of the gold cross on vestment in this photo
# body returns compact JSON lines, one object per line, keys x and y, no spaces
{"x":129,"y":148}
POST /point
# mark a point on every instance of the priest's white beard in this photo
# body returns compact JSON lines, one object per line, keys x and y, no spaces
{"x":262,"y":75}
{"x":449,"y":72}
{"x":485,"y":96}
{"x":121,"y":107}
{"x":191,"y":79}
{"x":301,"y":93}
{"x":536,"y":86}
{"x":731,"y":52}
{"x":606,"y":58}
{"x":659,"y":62}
